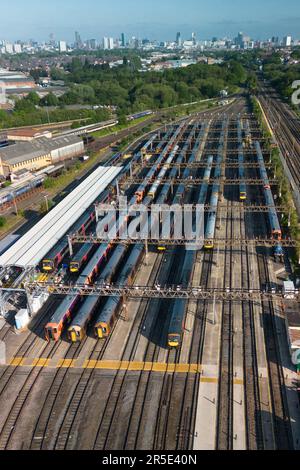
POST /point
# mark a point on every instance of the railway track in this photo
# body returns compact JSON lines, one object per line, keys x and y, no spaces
{"x":281,"y":417}
{"x":181,"y":429}
{"x":287,"y":132}
{"x":254,"y":434}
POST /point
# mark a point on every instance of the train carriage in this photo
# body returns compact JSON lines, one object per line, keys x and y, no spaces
{"x":61,"y":317}
{"x":176,"y":326}
{"x":81,"y":257}
{"x":106,"y":319}
{"x":78,"y":328}
{"x":275,"y":228}
{"x":65,"y":311}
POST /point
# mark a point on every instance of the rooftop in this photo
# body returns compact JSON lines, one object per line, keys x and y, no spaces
{"x":22,"y":151}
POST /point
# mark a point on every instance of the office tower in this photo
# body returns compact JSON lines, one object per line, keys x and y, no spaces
{"x":178,"y":39}
{"x":123,"y":40}
{"x":287,"y":41}
{"x":78,"y":42}
{"x":62,"y":46}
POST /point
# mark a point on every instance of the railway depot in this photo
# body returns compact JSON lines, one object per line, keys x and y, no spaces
{"x":205,"y":370}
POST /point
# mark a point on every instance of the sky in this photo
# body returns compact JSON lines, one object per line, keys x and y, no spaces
{"x":155,"y":19}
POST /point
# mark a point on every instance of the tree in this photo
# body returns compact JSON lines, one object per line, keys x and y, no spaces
{"x":50,"y":100}
{"x":122,"y":118}
{"x":2,"y":221}
{"x":33,"y":97}
{"x":24,"y":105}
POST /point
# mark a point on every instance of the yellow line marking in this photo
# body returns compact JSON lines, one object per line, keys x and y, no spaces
{"x":136,"y":366}
{"x":17,"y":361}
{"x":41,"y":362}
{"x":65,"y":363}
{"x":238,"y":382}
{"x":108,"y":365}
{"x":124,"y":366}
{"x":209,"y":380}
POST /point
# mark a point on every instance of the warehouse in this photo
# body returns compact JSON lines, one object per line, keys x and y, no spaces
{"x":16,"y":82}
{"x":38,"y":153}
{"x":27,"y":135}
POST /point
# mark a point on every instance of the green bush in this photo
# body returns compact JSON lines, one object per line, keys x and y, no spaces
{"x":2,"y":221}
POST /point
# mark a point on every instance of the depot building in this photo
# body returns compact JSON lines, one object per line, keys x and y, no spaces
{"x":36,"y":154}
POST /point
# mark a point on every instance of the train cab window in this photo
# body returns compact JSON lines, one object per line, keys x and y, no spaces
{"x":51,"y":332}
{"x":104,"y":330}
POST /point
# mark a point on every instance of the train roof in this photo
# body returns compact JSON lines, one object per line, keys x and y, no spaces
{"x":86,"y":309}
{"x":82,"y":252}
{"x":115,"y":259}
{"x":30,"y":249}
{"x":108,"y":310}
{"x":93,"y":262}
{"x":62,"y":308}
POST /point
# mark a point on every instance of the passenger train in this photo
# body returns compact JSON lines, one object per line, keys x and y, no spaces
{"x":275,"y":227}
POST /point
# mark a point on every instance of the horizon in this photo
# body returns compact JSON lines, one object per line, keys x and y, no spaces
{"x":136,"y":18}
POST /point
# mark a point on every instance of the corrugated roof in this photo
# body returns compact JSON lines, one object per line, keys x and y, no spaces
{"x":22,"y":151}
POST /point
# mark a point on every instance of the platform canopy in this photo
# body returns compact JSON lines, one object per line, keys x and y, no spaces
{"x":30,"y":249}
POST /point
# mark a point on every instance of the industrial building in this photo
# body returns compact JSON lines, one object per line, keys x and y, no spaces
{"x":16,"y":82}
{"x":27,"y":135}
{"x":39,"y":153}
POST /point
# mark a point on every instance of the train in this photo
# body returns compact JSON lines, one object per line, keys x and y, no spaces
{"x":140,"y":192}
{"x":56,"y":255}
{"x":247,"y":132}
{"x":78,"y":328}
{"x":154,"y":188}
{"x":175,"y":330}
{"x":179,"y":197}
{"x":81,"y":257}
{"x":133,"y":117}
{"x":9,"y":196}
{"x":214,"y":199}
{"x":212,"y":215}
{"x":106,"y":319}
{"x":243,"y":190}
{"x":276,"y":232}
{"x":65,"y":311}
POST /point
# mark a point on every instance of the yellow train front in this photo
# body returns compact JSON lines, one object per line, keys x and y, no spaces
{"x":78,"y":329}
{"x":109,"y":314}
{"x":175,"y":331}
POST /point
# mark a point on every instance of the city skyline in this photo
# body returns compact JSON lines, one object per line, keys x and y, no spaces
{"x":139,"y":19}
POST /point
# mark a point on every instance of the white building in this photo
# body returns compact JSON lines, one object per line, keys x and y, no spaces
{"x":111,"y":44}
{"x":287,"y":41}
{"x":62,"y":46}
{"x":108,"y":43}
{"x":17,"y":48}
{"x":9,"y":48}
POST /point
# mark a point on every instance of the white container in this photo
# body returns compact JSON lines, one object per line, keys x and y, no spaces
{"x":38,"y":301}
{"x":289,"y":290}
{"x":22,"y":319}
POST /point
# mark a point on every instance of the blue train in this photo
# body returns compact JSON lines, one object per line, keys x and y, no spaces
{"x":139,"y":115}
{"x":176,"y":326}
{"x":175,"y":330}
{"x":243,"y":190}
{"x":276,"y":231}
{"x":9,"y":196}
{"x":247,"y":132}
{"x":212,"y":215}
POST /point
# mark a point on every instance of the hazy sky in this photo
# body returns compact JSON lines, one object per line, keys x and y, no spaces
{"x":156,"y":19}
